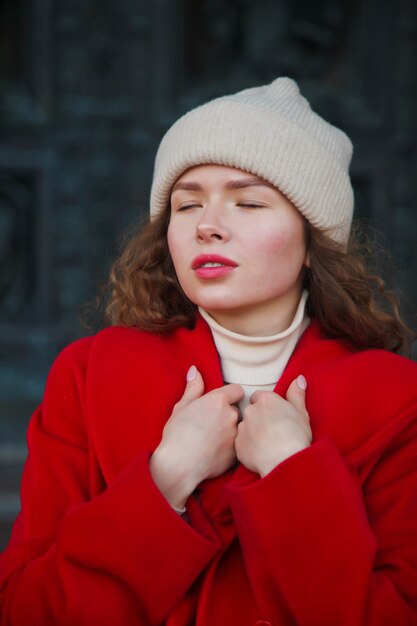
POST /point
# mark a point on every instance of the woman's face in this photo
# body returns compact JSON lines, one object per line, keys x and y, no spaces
{"x":238,"y":248}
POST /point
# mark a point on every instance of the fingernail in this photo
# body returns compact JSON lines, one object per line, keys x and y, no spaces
{"x":301,"y":382}
{"x":191,"y":374}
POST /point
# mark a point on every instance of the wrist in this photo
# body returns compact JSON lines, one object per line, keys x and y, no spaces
{"x":267,"y":465}
{"x":173,"y":481}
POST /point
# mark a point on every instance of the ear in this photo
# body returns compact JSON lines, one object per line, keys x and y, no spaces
{"x":307,"y":259}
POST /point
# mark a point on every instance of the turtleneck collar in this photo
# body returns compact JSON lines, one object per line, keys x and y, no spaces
{"x":257,"y":360}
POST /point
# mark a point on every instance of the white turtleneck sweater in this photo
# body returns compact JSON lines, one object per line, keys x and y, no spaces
{"x":256,"y":362}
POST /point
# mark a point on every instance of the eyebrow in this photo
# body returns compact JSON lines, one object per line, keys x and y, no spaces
{"x":240,"y":183}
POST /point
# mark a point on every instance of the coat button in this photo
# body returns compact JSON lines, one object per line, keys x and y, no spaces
{"x":262,"y":622}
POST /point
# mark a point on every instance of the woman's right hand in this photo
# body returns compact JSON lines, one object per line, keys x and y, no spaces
{"x":197,"y":440}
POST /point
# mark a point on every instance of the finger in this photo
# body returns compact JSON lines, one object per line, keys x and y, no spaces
{"x":238,"y":414}
{"x":296,"y":393}
{"x":259,"y":393}
{"x":233,"y":393}
{"x":194,"y":387}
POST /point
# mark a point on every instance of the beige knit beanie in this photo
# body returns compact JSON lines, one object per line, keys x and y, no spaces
{"x":271,"y":132}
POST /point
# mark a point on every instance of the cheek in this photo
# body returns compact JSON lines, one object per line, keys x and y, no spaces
{"x":286,"y":245}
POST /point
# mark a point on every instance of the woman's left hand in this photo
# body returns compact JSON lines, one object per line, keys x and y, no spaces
{"x":273,"y":429}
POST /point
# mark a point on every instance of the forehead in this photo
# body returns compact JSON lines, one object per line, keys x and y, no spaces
{"x":230,"y":177}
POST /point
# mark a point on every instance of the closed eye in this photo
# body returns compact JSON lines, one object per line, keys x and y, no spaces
{"x":184,"y":207}
{"x":251,"y":205}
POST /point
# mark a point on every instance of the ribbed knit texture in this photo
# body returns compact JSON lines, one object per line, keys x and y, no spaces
{"x":272,"y":132}
{"x":256,"y":362}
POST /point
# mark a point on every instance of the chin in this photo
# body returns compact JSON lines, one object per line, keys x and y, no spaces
{"x":210,"y":301}
{"x":209,"y":305}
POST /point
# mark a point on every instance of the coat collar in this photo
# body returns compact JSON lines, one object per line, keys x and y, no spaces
{"x":135,"y":378}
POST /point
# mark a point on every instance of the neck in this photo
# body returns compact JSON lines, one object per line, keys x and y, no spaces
{"x":268,"y":319}
{"x":256,"y":362}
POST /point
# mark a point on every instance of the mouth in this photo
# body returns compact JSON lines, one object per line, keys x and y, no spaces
{"x":212,"y":261}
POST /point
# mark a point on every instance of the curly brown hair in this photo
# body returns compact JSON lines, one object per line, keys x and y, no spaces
{"x":348,"y":299}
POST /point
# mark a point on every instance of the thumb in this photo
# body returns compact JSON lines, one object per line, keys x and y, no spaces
{"x":194,"y":387}
{"x":296,"y":393}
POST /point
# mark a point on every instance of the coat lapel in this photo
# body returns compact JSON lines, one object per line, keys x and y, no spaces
{"x":135,"y":378}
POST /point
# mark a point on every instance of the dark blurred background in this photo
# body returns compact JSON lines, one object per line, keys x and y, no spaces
{"x":87,"y":88}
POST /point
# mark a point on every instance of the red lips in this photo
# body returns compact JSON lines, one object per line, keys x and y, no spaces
{"x":200,"y":260}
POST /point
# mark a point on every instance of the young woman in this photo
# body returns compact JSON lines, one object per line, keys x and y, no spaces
{"x":239,"y":447}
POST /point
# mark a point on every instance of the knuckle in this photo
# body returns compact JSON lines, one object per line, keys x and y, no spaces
{"x":263,"y":398}
{"x":219,"y":402}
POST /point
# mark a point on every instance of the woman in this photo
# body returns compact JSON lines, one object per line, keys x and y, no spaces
{"x":240,"y":446}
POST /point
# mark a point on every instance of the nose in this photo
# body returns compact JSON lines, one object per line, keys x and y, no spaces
{"x":211,"y":227}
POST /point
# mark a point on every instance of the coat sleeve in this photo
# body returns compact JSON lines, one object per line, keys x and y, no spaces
{"x":80,"y":554}
{"x":329,"y":552}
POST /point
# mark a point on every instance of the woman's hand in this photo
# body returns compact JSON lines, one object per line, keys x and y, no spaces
{"x":198,"y":439}
{"x":273,"y":429}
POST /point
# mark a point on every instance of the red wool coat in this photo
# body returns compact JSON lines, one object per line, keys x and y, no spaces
{"x":328,"y":538}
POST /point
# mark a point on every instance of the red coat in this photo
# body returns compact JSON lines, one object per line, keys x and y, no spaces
{"x":328,"y":538}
